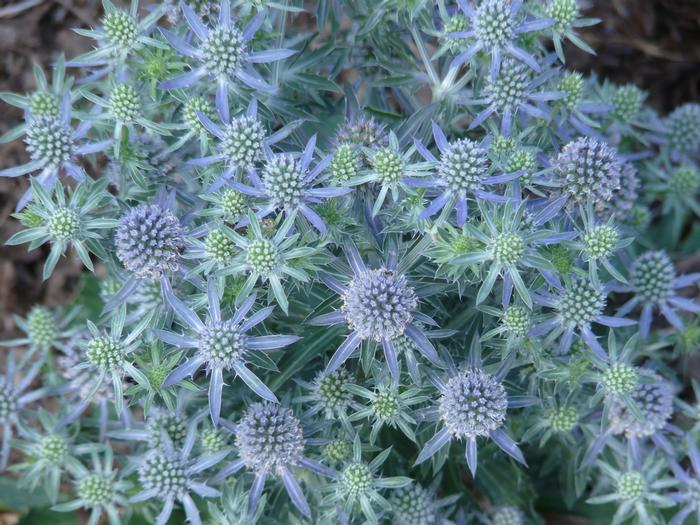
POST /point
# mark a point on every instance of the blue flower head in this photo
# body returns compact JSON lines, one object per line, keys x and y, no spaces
{"x":221,"y":344}
{"x":223,"y":53}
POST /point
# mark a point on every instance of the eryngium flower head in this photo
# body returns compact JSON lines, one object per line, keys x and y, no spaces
{"x":473,"y":404}
{"x":683,"y":127}
{"x":588,"y":170}
{"x":493,"y":23}
{"x":284,"y":181}
{"x":222,"y":344}
{"x":125,"y":103}
{"x":44,"y":103}
{"x":120,"y":29}
{"x":219,"y":247}
{"x":95,"y":490}
{"x":213,"y":440}
{"x":53,"y":449}
{"x":516,"y":320}
{"x":41,"y":326}
{"x":242,"y":141}
{"x":508,"y":89}
{"x":164,"y":473}
{"x":457,"y":23}
{"x":654,"y":401}
{"x":389,"y":165}
{"x":356,"y":479}
{"x":620,"y":379}
{"x":337,"y":451}
{"x":631,"y":485}
{"x":49,"y":141}
{"x":193,"y":106}
{"x":169,"y":424}
{"x":378,"y":304}
{"x":684,"y":180}
{"x":580,"y":303}
{"x":105,"y":353}
{"x":572,"y":85}
{"x":223,"y":51}
{"x":507,"y":516}
{"x":652,"y":276}
{"x":8,"y":402}
{"x":563,"y":419}
{"x":345,"y":164}
{"x":361,"y":132}
{"x":330,"y":390}
{"x":463,"y":166}
{"x":626,"y":102}
{"x":414,"y":505}
{"x":232,"y":203}
{"x":149,"y":241}
{"x":64,"y":223}
{"x":600,"y":241}
{"x":262,"y":256}
{"x":508,"y":248}
{"x":563,"y":12}
{"x":269,"y":437}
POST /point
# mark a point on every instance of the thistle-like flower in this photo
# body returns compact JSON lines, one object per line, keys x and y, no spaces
{"x":49,"y":451}
{"x":54,"y":147}
{"x":242,"y":140}
{"x":62,"y":221}
{"x":359,"y":484}
{"x":389,"y":170}
{"x":565,"y":14}
{"x":462,"y":174}
{"x":653,"y":282}
{"x":222,"y":344}
{"x":417,"y":505}
{"x":378,"y":306}
{"x":473,"y":404}
{"x":270,"y":259}
{"x":683,"y":129}
{"x":511,"y":91}
{"x":494,"y":28}
{"x":149,"y":241}
{"x":223,"y":53}
{"x":287,"y":183}
{"x":510,"y":247}
{"x":639,"y":490}
{"x":588,"y":171}
{"x":388,"y":405}
{"x":578,"y":305}
{"x":99,"y":490}
{"x":123,"y":106}
{"x":45,"y":101}
{"x":120,"y":35}
{"x":108,"y":356}
{"x":270,"y":441}
{"x":170,"y":474}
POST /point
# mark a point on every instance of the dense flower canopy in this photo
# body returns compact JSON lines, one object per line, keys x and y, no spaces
{"x":354,"y":262}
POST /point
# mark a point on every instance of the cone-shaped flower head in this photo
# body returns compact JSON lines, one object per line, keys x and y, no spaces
{"x":149,"y":241}
{"x":269,"y":437}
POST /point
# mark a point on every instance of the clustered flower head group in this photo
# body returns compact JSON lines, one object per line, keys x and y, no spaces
{"x":354,"y":262}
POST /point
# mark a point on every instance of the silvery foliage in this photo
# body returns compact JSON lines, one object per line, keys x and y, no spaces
{"x":354,"y":262}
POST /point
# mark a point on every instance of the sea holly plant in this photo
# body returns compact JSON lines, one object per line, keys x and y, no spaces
{"x":66,"y":221}
{"x":350,"y":263}
{"x":222,"y":344}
